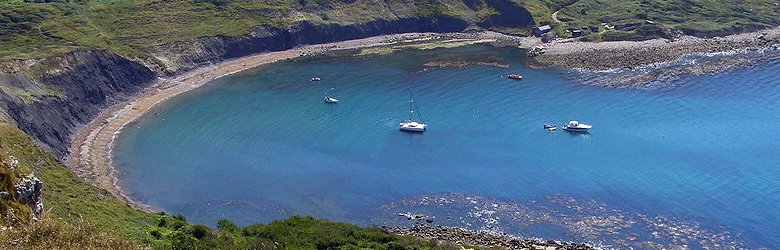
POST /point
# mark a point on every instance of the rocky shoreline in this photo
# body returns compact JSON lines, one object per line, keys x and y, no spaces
{"x":482,"y":239}
{"x":737,"y":50}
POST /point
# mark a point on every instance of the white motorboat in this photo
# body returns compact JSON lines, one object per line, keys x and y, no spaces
{"x":329,"y":99}
{"x":550,"y":127}
{"x":576,"y":126}
{"x":410,"y":124}
{"x":314,"y":79}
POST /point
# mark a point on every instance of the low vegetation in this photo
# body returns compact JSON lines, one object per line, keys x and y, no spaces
{"x":30,"y":29}
{"x":693,"y":17}
{"x":35,"y":28}
{"x":50,"y":233}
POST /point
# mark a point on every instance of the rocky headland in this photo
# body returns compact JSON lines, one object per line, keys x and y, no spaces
{"x":641,"y":63}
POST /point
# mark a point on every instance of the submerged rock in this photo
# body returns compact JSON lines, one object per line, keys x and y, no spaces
{"x":467,"y":237}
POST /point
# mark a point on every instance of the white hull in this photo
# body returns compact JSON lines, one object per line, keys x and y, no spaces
{"x":412,"y":126}
{"x":575,"y":126}
{"x":330,"y":100}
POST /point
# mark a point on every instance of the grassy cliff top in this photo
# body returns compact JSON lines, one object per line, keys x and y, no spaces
{"x":31,"y":28}
{"x":692,"y":17}
{"x":35,"y":28}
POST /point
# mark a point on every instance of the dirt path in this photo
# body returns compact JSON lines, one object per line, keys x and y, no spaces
{"x":555,"y":16}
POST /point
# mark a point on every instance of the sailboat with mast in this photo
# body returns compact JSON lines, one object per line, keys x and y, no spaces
{"x":411,"y":125}
{"x":329,"y":97}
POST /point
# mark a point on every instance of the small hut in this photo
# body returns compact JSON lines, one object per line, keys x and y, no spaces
{"x":541,"y":30}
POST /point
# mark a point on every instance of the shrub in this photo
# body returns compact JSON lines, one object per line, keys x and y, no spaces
{"x":200,"y":231}
{"x":226,"y":225}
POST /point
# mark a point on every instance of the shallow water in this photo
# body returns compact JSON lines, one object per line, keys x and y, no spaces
{"x":694,"y":164}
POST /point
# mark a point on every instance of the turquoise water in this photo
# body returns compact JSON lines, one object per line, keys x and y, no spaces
{"x":698,"y":158}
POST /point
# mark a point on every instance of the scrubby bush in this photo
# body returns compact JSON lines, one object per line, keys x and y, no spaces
{"x":226,"y":225}
{"x":200,"y":231}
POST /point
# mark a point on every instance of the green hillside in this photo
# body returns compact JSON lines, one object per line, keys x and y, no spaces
{"x":130,"y":27}
{"x":34,"y":28}
{"x":693,"y":17}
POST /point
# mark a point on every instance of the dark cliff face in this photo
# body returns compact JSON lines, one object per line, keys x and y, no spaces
{"x":264,"y":39}
{"x":93,"y":80}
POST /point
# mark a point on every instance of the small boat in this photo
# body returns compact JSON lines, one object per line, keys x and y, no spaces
{"x":329,"y":99}
{"x":315,"y":79}
{"x":550,"y":127}
{"x":576,"y":126}
{"x":329,"y":96}
{"x":515,"y":76}
{"x":411,"y":125}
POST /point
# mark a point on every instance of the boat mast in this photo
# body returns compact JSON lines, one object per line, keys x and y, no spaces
{"x":411,"y":102}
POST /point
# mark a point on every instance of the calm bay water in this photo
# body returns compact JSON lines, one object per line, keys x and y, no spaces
{"x":698,"y":158}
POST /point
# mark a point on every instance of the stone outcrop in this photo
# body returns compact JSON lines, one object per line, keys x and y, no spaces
{"x":28,"y":191}
{"x":17,"y":192}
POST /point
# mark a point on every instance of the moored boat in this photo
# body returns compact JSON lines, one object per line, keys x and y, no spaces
{"x":329,"y":96}
{"x":411,"y":125}
{"x":550,"y":127}
{"x":329,"y":99}
{"x":576,"y":126}
{"x":515,"y":76}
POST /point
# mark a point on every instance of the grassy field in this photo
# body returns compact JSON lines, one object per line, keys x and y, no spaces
{"x":127,"y":27}
{"x":695,"y":17}
{"x":130,"y":27}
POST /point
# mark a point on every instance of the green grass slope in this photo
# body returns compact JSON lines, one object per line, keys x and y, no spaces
{"x":692,"y":17}
{"x":81,"y":216}
{"x":36,"y":28}
{"x":30,"y":29}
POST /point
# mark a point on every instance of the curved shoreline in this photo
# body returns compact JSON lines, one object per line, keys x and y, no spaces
{"x":90,"y":154}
